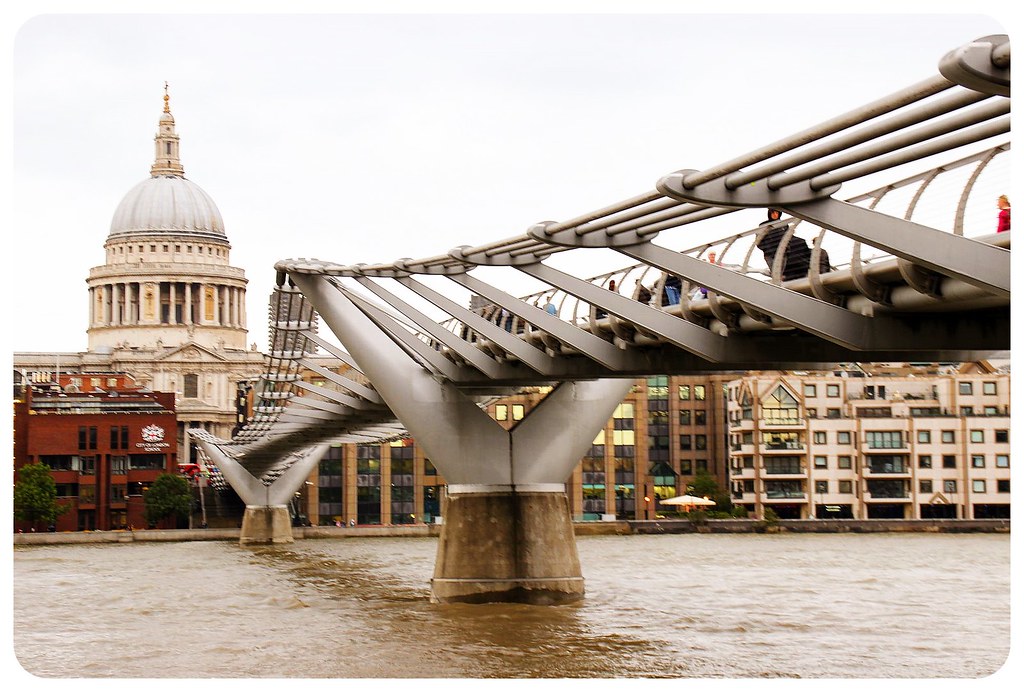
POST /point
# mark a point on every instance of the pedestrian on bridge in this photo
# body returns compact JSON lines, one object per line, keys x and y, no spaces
{"x":797,"y":259}
{"x":1004,"y":213}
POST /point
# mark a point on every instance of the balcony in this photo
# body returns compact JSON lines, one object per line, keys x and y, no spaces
{"x":887,"y":491}
{"x":887,"y":497}
{"x":790,"y":446}
{"x":784,"y":422}
{"x":785,"y":495}
{"x":889,"y":468}
{"x":799,"y":471}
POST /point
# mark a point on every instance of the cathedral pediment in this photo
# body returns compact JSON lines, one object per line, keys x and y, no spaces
{"x":190,"y":352}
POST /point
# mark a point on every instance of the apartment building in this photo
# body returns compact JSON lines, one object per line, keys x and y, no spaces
{"x":894,"y":442}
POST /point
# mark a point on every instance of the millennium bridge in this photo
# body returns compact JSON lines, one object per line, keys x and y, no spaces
{"x":902,"y":272}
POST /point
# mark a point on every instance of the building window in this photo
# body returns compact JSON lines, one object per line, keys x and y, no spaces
{"x":657,"y":387}
{"x":623,"y":438}
{"x":949,"y":461}
{"x":991,"y":411}
{"x":820,"y":438}
{"x":948,"y":436}
{"x":988,"y":388}
{"x":782,"y":440}
{"x":700,"y":417}
{"x":977,"y":436}
{"x":87,"y":466}
{"x":783,"y":465}
{"x":684,"y":417}
{"x":684,"y":392}
{"x":966,"y":411}
{"x":845,"y":487}
{"x":686,"y":467}
{"x":702,"y":465}
{"x":924,"y":436}
{"x":1002,"y":461}
{"x":832,"y":413}
{"x":820,"y":462}
{"x":949,"y":486}
{"x":685,"y":442}
{"x":925,"y":486}
{"x":832,"y":391}
{"x":518,"y":411}
{"x":884,"y":439}
{"x":1002,"y":435}
{"x":821,"y":487}
{"x":978,"y":486}
{"x":87,"y":494}
{"x":501,"y":412}
{"x":699,"y":392}
{"x":191,"y":386}
{"x":780,"y":407}
{"x":966,"y":388}
{"x":700,"y":441}
{"x":87,"y":437}
{"x":119,"y":437}
{"x":978,"y":461}
{"x":843,"y":437}
{"x":924,"y":461}
{"x":845,"y":462}
{"x":1003,"y":486}
{"x":146,"y":462}
{"x":810,"y":390}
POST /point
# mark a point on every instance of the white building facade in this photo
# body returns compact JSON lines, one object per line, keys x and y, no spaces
{"x":871,"y":444}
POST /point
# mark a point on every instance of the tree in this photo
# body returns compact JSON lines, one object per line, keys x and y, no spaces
{"x":703,"y":485}
{"x":35,"y":495}
{"x":169,"y":495}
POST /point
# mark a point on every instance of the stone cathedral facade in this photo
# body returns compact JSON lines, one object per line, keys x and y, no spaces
{"x":166,"y":307}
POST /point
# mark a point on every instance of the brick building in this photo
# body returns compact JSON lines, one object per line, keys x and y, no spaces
{"x":104,"y":440}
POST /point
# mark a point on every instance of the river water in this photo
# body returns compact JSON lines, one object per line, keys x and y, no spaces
{"x":665,"y":606}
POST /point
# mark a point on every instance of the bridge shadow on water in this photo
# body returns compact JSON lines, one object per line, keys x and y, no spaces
{"x":378,"y":594}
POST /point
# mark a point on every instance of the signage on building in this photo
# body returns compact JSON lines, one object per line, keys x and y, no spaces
{"x":152,"y":439}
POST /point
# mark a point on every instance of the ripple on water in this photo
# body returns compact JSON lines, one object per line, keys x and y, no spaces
{"x":701,"y":606}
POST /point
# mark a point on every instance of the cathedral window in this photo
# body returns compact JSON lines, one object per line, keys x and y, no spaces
{"x":191,"y":390}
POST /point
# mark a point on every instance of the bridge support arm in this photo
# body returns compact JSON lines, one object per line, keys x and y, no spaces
{"x":507,"y":533}
{"x":266,"y":518}
{"x":979,"y":264}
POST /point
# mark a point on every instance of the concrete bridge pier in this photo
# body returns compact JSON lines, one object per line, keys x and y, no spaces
{"x":507,"y":533}
{"x":266,"y":524}
{"x":507,"y":546}
{"x":266,"y":518}
{"x":514,"y":542}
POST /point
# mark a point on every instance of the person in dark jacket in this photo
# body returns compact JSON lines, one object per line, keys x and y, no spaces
{"x":797,"y":260}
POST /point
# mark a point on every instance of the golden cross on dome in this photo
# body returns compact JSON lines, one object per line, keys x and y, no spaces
{"x":167,"y":100}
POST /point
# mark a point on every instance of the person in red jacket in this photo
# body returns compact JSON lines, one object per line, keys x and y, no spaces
{"x":1004,"y":213}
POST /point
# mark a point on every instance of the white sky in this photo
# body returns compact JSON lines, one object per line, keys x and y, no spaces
{"x":365,"y":138}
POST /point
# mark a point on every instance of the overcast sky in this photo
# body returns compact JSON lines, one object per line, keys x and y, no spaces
{"x":365,"y":138}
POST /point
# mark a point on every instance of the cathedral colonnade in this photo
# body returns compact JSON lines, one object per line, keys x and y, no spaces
{"x":166,"y":302}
